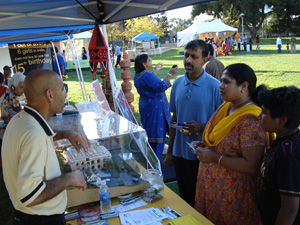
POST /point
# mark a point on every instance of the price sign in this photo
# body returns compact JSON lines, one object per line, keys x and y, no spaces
{"x":30,"y":56}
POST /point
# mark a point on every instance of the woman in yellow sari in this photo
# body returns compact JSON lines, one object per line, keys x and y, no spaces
{"x":231,"y":152}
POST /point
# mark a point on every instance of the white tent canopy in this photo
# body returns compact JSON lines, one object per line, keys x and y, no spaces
{"x":199,"y":27}
{"x":26,"y":19}
{"x":82,"y":35}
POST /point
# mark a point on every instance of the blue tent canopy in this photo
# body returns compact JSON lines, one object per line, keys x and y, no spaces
{"x":42,"y":34}
{"x":144,"y":36}
{"x":29,"y":15}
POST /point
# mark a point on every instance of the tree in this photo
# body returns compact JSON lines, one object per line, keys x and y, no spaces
{"x":115,"y":30}
{"x":161,"y":20}
{"x":255,"y":12}
{"x":286,"y":14}
{"x":142,"y":24}
{"x":177,"y":24}
{"x":156,"y":25}
{"x":230,"y":12}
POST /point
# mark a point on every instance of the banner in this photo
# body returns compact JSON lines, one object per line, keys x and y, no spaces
{"x":30,"y":56}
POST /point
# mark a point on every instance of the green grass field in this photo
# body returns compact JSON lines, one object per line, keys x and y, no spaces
{"x":272,"y":69}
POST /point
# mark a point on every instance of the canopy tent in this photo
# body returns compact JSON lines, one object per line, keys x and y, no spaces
{"x":60,"y":33}
{"x":37,"y":14}
{"x":21,"y":20}
{"x":198,"y":27}
{"x":144,"y":36}
{"x":82,"y":35}
{"x":42,"y":34}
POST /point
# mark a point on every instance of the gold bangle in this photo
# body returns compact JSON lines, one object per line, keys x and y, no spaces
{"x":220,"y":160}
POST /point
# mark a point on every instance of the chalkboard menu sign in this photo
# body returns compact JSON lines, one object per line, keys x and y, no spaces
{"x":30,"y":56}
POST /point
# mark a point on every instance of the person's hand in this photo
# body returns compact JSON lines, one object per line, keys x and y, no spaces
{"x":206,"y":156}
{"x":77,"y":180}
{"x":198,"y":144}
{"x":193,"y":127}
{"x":78,"y":140}
{"x":173,"y":71}
{"x":168,"y":161}
{"x":63,"y":77}
{"x":158,"y":67}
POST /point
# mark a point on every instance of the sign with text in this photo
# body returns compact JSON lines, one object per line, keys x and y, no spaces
{"x":30,"y":56}
{"x":124,"y":106}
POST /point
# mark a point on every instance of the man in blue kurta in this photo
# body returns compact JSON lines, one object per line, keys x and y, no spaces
{"x":194,"y":98}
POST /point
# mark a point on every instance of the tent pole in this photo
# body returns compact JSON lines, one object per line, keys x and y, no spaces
{"x":131,"y":34}
{"x":53,"y":48}
{"x":112,"y":75}
{"x":74,"y":60}
{"x":79,"y":68}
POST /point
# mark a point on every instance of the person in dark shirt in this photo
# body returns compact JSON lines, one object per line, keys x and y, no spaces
{"x":278,"y":184}
{"x":7,"y":74}
{"x":83,"y":53}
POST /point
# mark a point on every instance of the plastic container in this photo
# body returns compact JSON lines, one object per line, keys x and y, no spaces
{"x":152,"y":185}
{"x":105,"y":202}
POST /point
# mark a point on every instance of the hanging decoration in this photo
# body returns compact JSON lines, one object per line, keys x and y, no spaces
{"x":98,"y":52}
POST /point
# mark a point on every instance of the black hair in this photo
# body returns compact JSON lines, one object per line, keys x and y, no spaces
{"x":138,"y":62}
{"x":198,"y":44}
{"x":56,"y":49}
{"x":283,"y":102}
{"x":241,"y":73}
{"x":211,"y":49}
{"x":1,"y":78}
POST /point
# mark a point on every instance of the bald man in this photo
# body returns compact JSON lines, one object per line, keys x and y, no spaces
{"x":30,"y":167}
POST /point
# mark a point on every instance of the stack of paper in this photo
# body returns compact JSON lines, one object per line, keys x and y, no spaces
{"x":142,"y":217}
{"x":124,"y":208}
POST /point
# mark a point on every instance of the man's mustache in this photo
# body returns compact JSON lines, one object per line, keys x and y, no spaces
{"x":188,"y":64}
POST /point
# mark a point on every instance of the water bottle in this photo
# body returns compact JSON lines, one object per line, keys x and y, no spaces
{"x":105,"y":203}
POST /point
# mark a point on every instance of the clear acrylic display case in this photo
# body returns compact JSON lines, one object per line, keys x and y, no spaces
{"x":129,"y":152}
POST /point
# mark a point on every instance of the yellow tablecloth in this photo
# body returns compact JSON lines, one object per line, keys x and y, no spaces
{"x":170,"y":199}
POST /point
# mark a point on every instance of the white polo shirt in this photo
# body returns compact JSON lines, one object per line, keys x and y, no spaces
{"x":29,"y":159}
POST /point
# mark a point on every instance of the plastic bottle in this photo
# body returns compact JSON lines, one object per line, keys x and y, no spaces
{"x":105,"y":202}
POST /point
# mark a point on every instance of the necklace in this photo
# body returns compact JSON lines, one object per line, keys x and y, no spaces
{"x":240,"y":106}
